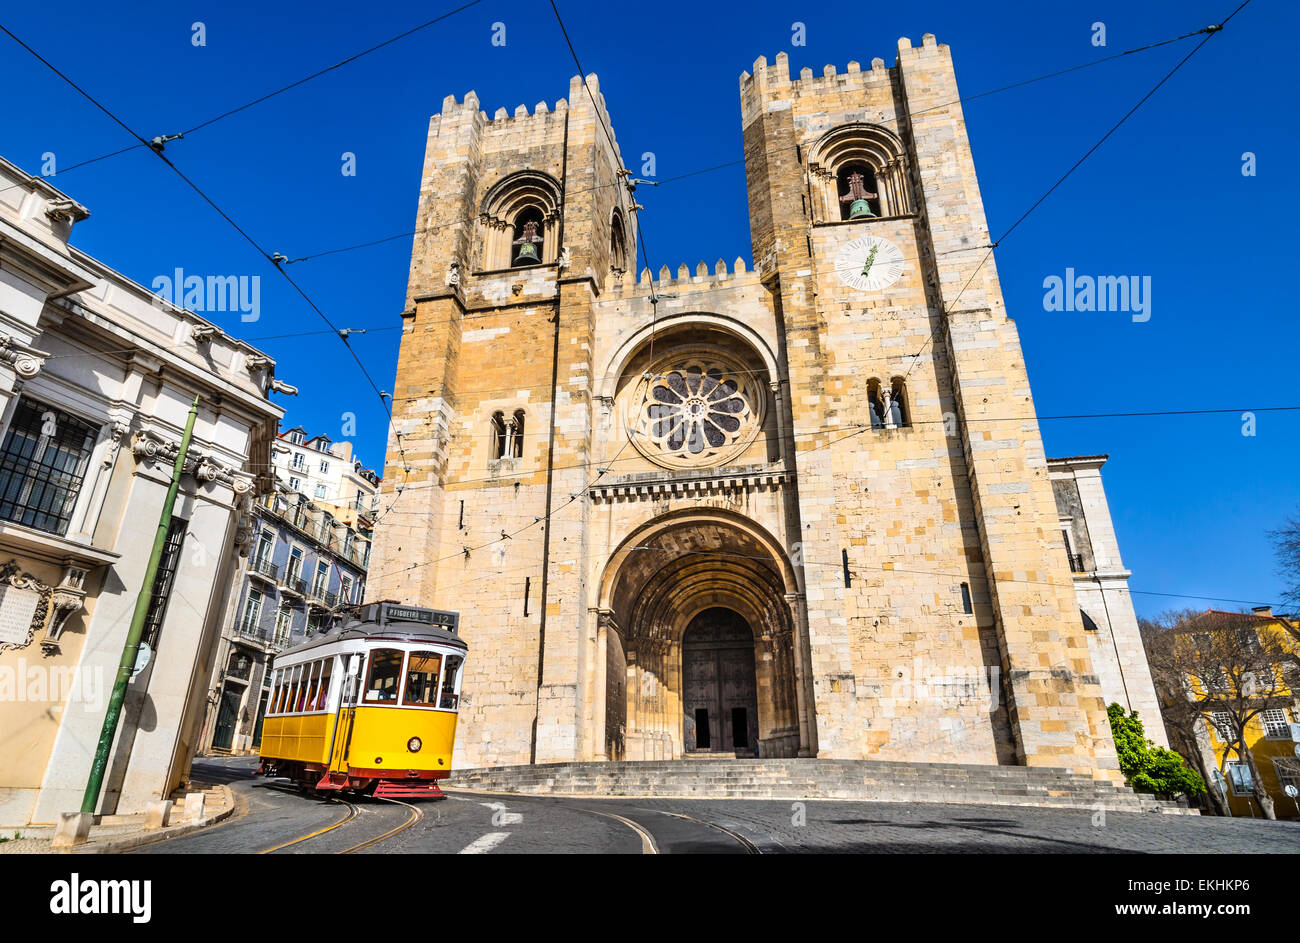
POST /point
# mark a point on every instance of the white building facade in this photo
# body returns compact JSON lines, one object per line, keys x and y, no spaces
{"x":327,"y":473}
{"x":1101,"y":587}
{"x":97,"y":376}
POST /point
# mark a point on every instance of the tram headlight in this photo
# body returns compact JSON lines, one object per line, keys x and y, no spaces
{"x":414,"y":744}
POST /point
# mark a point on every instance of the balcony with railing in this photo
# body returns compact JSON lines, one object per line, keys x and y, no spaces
{"x":275,"y":638}
{"x":264,"y":569}
{"x":292,"y":586}
{"x":320,"y":596}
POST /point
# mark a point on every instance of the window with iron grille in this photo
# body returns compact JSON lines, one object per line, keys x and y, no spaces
{"x":1276,"y":726}
{"x":1222,"y":722}
{"x":162,"y":586}
{"x":1288,"y":771}
{"x":42,"y":465}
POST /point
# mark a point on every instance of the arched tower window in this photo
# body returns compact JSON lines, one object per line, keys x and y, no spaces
{"x":617,"y":244}
{"x":887,"y":404}
{"x":859,"y":171}
{"x":507,"y":434}
{"x":519,"y":222}
{"x":516,"y":449}
{"x":500,"y":437}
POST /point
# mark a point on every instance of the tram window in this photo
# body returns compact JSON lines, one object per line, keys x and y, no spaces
{"x":323,"y":695}
{"x":295,"y":681}
{"x":286,"y":682}
{"x":450,"y":681}
{"x":384,"y":677}
{"x":270,"y":699}
{"x":311,"y":678}
{"x":422,"y":679}
{"x":281,"y":689}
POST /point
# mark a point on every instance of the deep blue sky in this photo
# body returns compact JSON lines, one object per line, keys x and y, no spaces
{"x":1191,"y":496}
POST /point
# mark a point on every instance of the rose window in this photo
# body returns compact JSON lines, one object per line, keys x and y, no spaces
{"x":694,"y":412}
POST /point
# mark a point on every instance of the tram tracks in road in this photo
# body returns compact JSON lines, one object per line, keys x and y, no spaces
{"x":749,"y":846}
{"x":650,"y":846}
{"x":417,"y":814}
{"x":353,"y":811}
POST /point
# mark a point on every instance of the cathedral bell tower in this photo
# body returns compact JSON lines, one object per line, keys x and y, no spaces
{"x":869,"y":229}
{"x":521,"y":219}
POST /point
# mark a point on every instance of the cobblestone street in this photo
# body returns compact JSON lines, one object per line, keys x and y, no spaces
{"x":473,"y":823}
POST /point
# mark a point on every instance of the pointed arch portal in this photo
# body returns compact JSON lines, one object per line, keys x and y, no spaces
{"x":700,"y":644}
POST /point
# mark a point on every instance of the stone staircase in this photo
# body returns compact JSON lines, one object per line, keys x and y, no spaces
{"x":873,"y":780}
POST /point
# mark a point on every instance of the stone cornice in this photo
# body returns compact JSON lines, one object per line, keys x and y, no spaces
{"x":658,"y":485}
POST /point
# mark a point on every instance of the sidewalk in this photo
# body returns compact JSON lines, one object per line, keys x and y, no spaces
{"x":118,"y":833}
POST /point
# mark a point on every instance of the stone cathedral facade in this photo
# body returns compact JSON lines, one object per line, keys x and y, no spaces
{"x":794,"y":508}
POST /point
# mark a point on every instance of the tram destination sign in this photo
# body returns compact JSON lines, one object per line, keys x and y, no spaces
{"x":438,"y":617}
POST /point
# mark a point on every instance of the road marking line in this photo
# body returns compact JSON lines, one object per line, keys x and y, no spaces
{"x":481,"y":846}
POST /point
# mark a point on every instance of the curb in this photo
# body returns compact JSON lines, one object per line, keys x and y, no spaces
{"x":786,"y":797}
{"x":162,"y":834}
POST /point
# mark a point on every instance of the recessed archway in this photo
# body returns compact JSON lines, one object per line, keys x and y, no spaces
{"x":674,"y":576}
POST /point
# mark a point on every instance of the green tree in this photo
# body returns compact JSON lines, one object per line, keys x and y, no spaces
{"x":1147,"y":767}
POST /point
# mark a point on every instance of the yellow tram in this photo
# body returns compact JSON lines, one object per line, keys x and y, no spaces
{"x":370,"y":707}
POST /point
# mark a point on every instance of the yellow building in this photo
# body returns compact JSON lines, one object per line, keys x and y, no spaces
{"x":1270,"y":734}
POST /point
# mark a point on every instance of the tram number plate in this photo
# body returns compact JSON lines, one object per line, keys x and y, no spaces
{"x":447,"y":620}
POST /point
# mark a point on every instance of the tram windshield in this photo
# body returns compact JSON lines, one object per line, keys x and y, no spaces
{"x":422,"y":679}
{"x":384,"y":677}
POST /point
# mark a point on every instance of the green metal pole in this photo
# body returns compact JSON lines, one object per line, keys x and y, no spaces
{"x":132,"y":647}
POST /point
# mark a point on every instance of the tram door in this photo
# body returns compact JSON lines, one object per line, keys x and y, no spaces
{"x":347,"y":715}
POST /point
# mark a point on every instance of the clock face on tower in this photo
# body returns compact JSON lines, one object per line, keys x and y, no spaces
{"x":869,"y":263}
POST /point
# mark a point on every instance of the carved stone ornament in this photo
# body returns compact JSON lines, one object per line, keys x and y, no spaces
{"x":66,"y":211}
{"x":147,"y":445}
{"x":246,"y":521}
{"x":21,"y":616}
{"x":203,"y":333}
{"x":26,"y":361}
{"x":453,"y":274}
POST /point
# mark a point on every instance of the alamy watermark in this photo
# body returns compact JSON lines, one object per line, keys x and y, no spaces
{"x":1126,"y":293}
{"x":52,"y":684}
{"x":198,"y":293}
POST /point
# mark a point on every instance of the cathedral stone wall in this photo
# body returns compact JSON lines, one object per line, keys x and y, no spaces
{"x":721,"y":437}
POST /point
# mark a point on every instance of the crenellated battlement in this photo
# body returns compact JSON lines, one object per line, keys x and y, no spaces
{"x":630,"y":283}
{"x":767,"y":81}
{"x":540,"y":111}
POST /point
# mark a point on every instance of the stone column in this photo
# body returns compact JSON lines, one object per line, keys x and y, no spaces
{"x":600,"y":740}
{"x":807,"y":731}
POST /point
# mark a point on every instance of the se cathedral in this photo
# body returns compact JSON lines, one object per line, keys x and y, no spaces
{"x":798,"y":508}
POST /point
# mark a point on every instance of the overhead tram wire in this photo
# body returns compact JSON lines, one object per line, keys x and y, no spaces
{"x":1210,"y":32}
{"x":331,"y":68}
{"x":257,"y":101}
{"x":856,"y":570}
{"x":853,"y":430}
{"x":158,"y":150}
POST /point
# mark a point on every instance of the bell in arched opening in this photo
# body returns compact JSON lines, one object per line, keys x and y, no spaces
{"x":528,"y":243}
{"x":857,"y":198}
